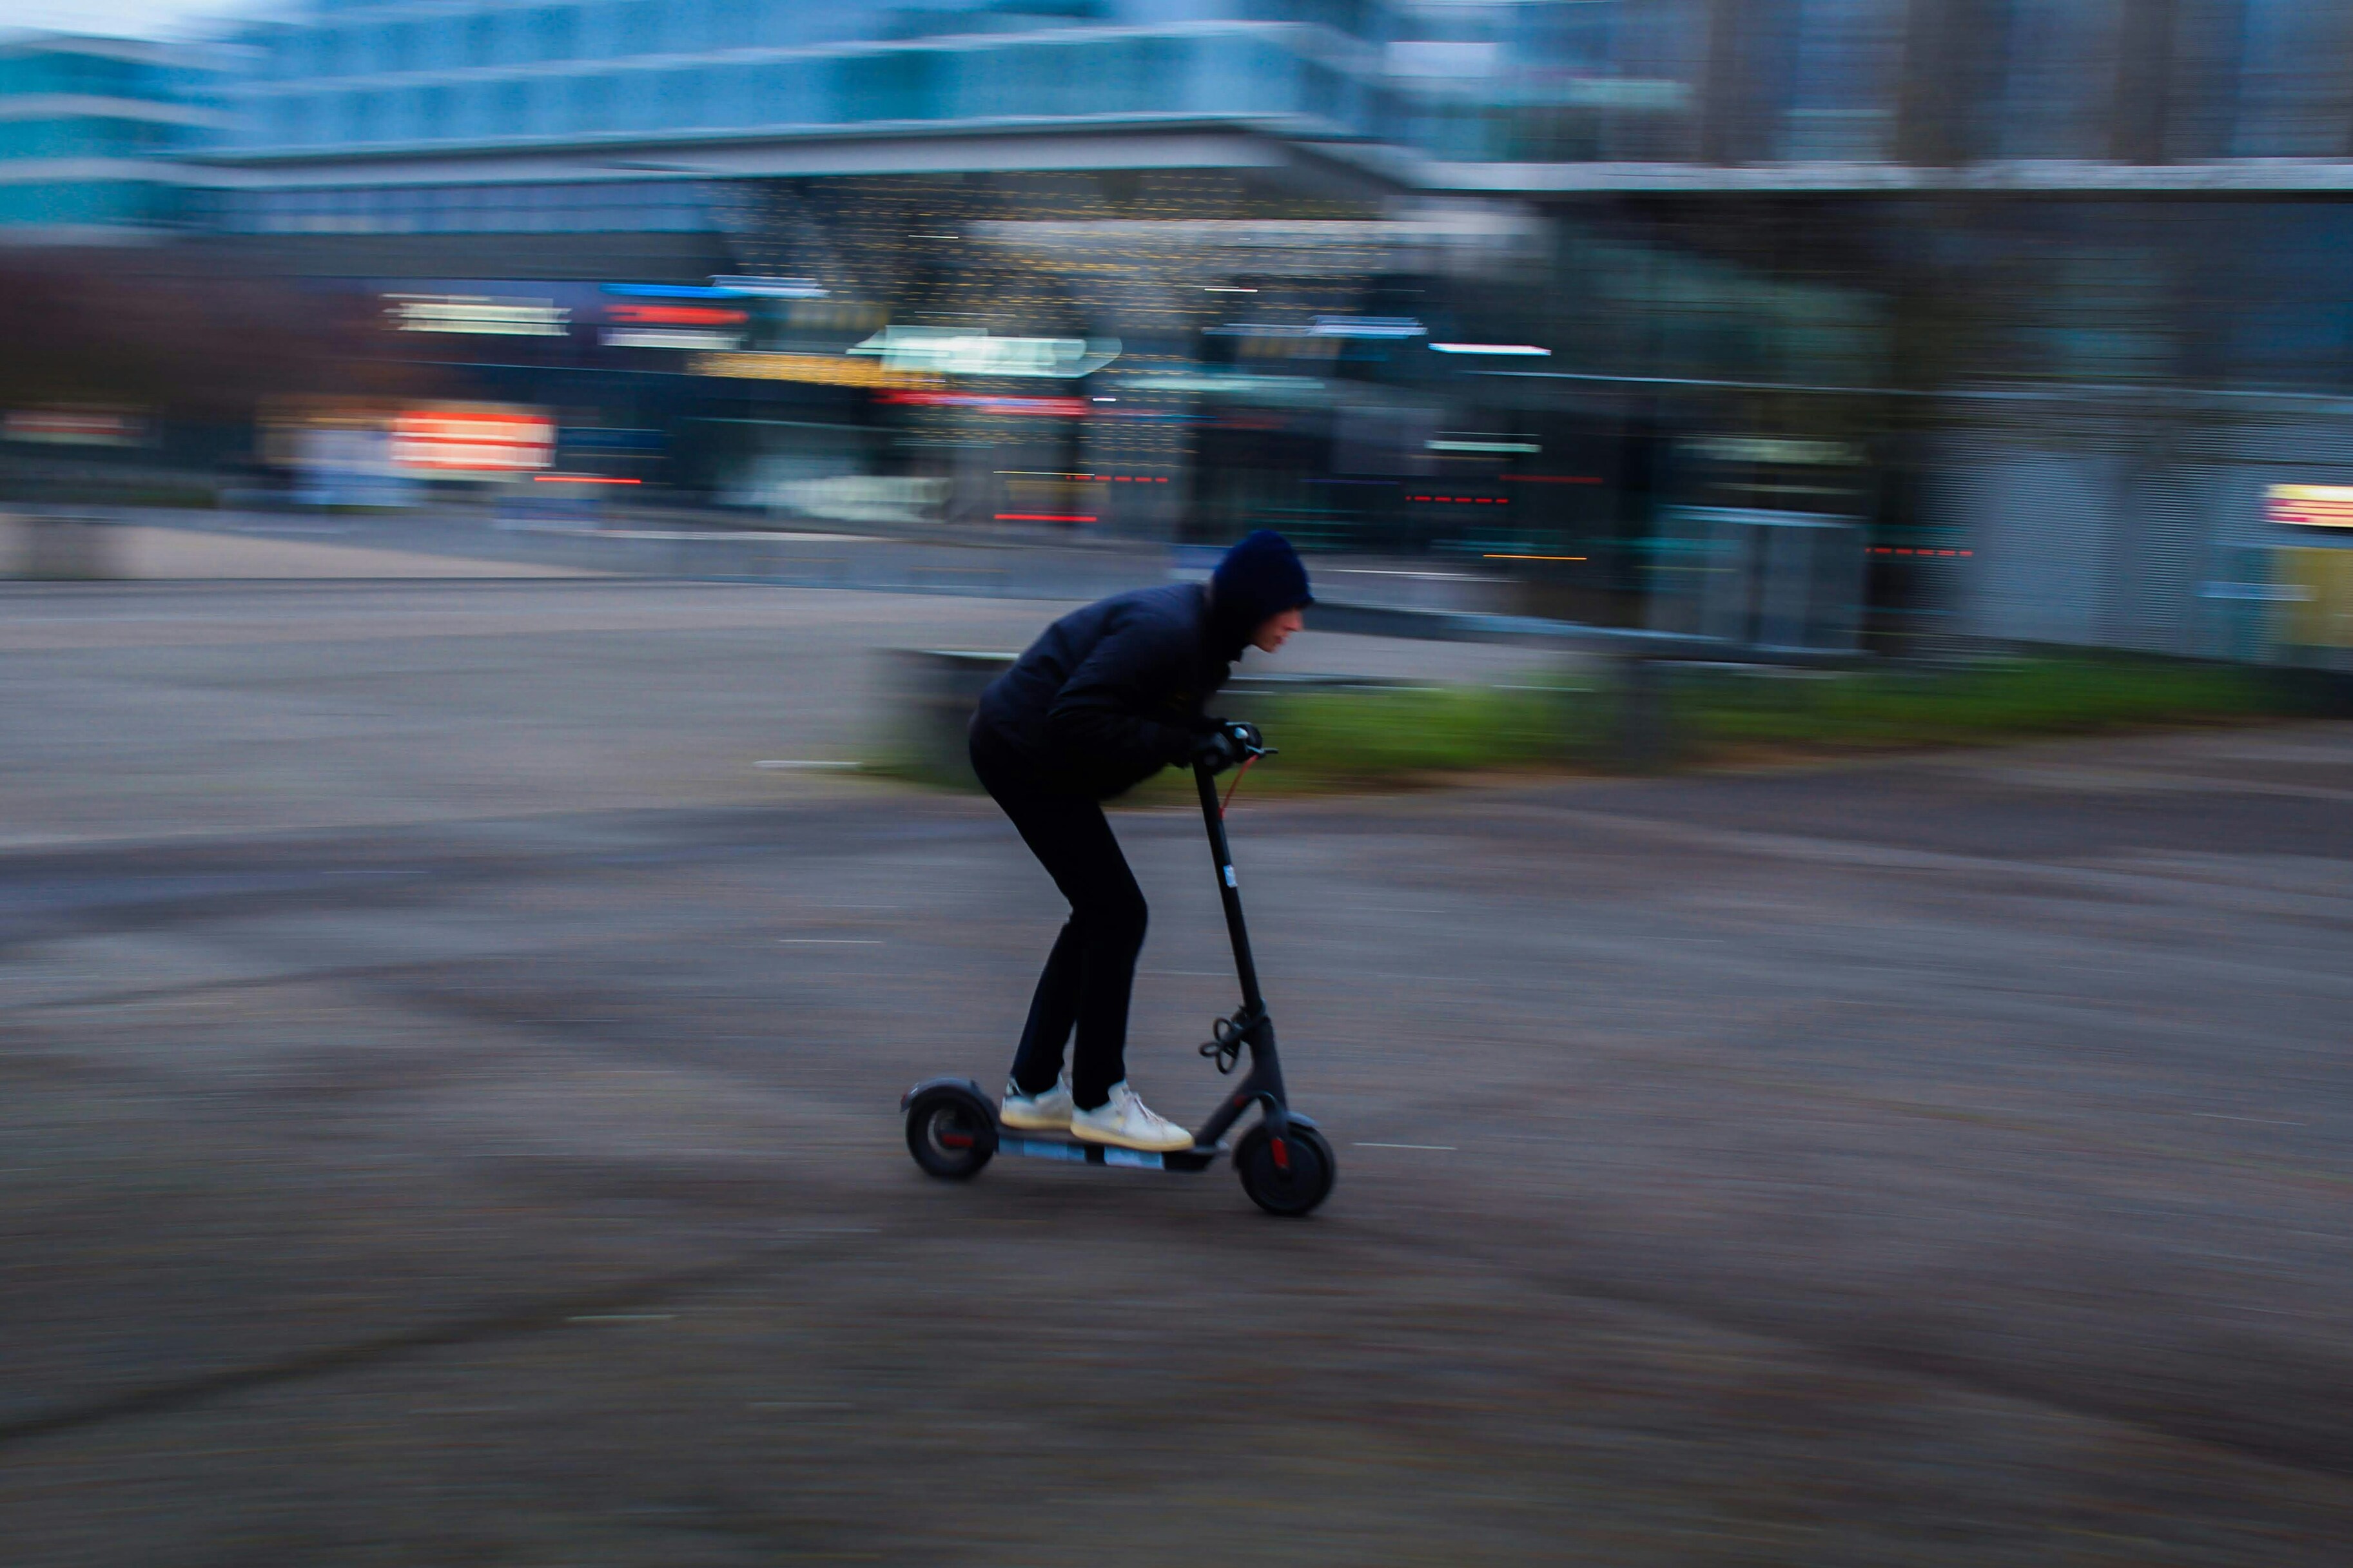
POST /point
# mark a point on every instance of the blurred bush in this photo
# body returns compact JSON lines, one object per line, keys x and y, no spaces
{"x":1377,"y":738}
{"x":1718,"y":715}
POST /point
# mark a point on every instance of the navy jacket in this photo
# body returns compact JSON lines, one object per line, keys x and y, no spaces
{"x":1111,"y":694}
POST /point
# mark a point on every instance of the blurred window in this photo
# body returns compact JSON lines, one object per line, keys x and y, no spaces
{"x":2055,"y":100}
{"x":544,"y":106}
{"x":592,"y":31}
{"x":592,"y":103}
{"x":302,"y":51}
{"x":637,"y":100}
{"x":896,"y":84}
{"x":687,"y":28}
{"x":555,"y":32}
{"x":397,"y":48}
{"x":470,"y":108}
{"x":1318,"y":90}
{"x":510,"y":108}
{"x":1842,"y":91}
{"x":439,"y":44}
{"x":33,"y":138}
{"x":404,"y":114}
{"x":2291,"y":68}
{"x":296,"y":112}
{"x":641,"y":27}
{"x":687,"y":96}
{"x":727,"y":95}
{"x":786,"y":94}
{"x":1223,"y":75}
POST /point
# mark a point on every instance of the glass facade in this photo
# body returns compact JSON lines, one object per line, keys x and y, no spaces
{"x":91,"y":131}
{"x":396,"y":76}
{"x":641,"y":206}
{"x":1468,"y":82}
{"x":1550,"y":81}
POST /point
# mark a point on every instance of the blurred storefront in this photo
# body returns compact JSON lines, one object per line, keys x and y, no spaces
{"x":2008,"y":315}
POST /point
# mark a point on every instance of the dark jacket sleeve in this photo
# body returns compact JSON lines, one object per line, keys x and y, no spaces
{"x":1101,"y":713}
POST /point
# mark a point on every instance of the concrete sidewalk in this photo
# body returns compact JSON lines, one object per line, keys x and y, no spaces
{"x":1931,"y":1164}
{"x":210,"y":708}
{"x":131,"y":552}
{"x":734,"y":548}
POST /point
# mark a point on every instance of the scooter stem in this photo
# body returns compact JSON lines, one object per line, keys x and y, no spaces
{"x":1229,"y":890}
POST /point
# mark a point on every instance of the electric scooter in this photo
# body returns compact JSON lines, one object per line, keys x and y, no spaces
{"x":1285,"y":1162}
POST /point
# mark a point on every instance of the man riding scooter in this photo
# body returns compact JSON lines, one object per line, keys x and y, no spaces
{"x":1108,"y":696}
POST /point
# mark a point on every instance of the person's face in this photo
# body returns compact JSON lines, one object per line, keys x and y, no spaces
{"x":1276,"y":629}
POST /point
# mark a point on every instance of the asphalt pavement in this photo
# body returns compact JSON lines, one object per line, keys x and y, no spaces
{"x":449,"y":1117}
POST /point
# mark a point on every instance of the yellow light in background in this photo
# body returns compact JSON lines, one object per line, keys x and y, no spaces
{"x":824,"y":369}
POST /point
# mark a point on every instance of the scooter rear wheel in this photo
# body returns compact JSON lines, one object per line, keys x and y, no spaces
{"x":1288,"y":1175}
{"x":951,"y":1133}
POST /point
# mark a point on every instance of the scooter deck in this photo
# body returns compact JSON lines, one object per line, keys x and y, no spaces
{"x":1036,"y":1147}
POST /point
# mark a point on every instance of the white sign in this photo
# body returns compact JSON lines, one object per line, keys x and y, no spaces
{"x":953,"y":351}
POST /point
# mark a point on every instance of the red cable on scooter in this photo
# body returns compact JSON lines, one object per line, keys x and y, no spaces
{"x":1247,"y":763}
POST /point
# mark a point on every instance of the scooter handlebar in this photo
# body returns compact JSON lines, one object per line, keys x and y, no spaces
{"x":1246,"y":738}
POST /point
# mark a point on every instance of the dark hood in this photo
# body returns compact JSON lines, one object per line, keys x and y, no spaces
{"x":1259,"y":578}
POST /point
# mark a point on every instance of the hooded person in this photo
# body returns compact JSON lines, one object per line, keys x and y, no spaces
{"x":1106,"y":697}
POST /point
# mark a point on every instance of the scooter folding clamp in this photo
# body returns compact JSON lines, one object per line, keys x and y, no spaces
{"x":1230,"y":1035}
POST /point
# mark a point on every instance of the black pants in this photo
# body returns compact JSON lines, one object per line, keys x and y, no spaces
{"x":1092,"y":967}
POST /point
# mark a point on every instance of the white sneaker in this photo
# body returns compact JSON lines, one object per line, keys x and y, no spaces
{"x":1045,"y":1112}
{"x":1127,"y":1121}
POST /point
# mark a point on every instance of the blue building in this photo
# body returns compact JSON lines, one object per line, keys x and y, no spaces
{"x":424,"y":116}
{"x":93,"y":133}
{"x":1727,"y":227}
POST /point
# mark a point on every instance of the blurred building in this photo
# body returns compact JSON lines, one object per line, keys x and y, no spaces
{"x":92,"y":131}
{"x":635,"y":115}
{"x":2028,"y":304}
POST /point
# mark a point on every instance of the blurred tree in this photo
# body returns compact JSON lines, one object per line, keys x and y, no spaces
{"x":187,"y":338}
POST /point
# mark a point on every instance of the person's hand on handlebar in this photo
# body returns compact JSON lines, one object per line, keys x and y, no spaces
{"x":1231,"y":743}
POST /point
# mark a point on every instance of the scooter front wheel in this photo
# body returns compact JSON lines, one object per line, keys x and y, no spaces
{"x":951,"y":1132}
{"x":1287,"y":1175}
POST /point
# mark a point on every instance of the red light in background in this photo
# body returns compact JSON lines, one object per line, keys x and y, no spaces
{"x":674,"y":315}
{"x":1067,"y":408}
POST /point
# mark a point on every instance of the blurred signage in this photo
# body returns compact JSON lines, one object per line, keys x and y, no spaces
{"x":668,"y":326}
{"x":480,"y":315}
{"x":952,"y":351}
{"x":1486,"y":446}
{"x":722,"y":289}
{"x":472,"y":439}
{"x":676,"y":315}
{"x":74,"y":427}
{"x":2310,"y":506}
{"x":1367,"y":327}
{"x":857,"y":498}
{"x":1514,"y":351}
{"x":702,"y":339}
{"x":772,"y":288}
{"x":1777,"y":450}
